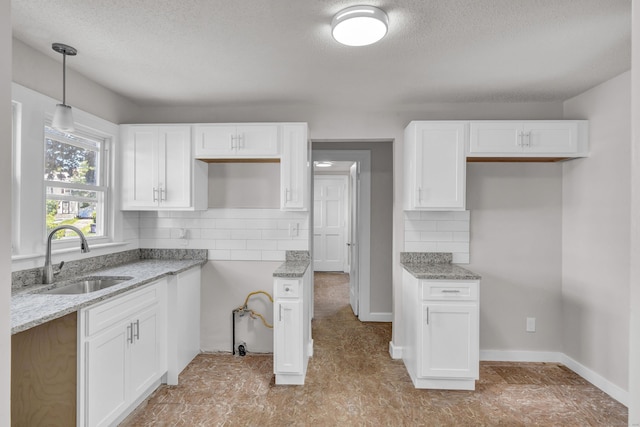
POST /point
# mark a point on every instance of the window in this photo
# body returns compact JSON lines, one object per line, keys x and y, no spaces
{"x":76,"y":184}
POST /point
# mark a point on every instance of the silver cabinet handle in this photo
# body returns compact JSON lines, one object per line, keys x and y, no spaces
{"x":521,"y":139}
{"x":280,"y":312}
{"x":529,"y":139}
{"x":427,"y":315}
{"x":240,"y":144}
{"x":130,"y":333}
{"x":163,"y":194}
{"x":231,"y":138}
{"x":137,"y":333}
{"x":155,"y":194}
{"x":451,"y":291}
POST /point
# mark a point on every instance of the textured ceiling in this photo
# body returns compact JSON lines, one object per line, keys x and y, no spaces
{"x":215,"y":52}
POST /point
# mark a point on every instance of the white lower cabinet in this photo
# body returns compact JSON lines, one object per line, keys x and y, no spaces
{"x":292,"y":344}
{"x":441,"y":332}
{"x":122,"y":353}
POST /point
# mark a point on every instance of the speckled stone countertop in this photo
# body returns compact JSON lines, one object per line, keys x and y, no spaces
{"x":296,"y":264}
{"x":30,"y":308}
{"x":434,"y":266}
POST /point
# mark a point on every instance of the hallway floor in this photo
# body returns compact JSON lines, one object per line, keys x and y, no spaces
{"x":351,"y":380}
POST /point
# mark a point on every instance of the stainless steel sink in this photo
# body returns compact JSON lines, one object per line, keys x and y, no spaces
{"x":88,"y":284}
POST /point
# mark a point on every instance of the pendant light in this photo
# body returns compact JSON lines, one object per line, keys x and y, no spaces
{"x":359,"y":25}
{"x":62,"y":117}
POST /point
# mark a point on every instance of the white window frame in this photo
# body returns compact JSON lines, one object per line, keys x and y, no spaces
{"x":104,"y":186}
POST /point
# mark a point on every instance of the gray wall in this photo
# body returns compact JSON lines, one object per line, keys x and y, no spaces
{"x":516,"y":245}
{"x":381,"y":290}
{"x":596,"y":230}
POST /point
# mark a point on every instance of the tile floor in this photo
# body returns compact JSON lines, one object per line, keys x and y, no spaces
{"x":352,"y":381}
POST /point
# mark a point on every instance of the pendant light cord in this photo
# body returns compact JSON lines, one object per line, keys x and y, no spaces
{"x":64,"y":78}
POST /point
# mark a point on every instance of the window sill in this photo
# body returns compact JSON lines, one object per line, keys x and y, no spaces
{"x":68,"y":250}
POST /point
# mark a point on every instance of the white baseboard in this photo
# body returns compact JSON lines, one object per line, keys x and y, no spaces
{"x":521,"y":356}
{"x":395,"y":351}
{"x":376,"y":317}
{"x":597,"y":380}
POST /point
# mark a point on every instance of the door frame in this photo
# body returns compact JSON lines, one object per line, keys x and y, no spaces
{"x":345,"y":211}
{"x":363,"y":158}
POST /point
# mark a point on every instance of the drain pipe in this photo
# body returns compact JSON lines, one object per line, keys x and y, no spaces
{"x":242,"y":347}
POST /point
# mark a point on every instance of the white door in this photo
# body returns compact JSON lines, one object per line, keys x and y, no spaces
{"x":330,"y":221}
{"x":353,"y":239}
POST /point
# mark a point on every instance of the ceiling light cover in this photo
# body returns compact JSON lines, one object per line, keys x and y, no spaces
{"x":62,"y":117}
{"x":359,"y":25}
{"x":324,"y":164}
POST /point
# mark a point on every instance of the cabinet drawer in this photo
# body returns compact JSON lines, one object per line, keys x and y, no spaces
{"x":442,"y":290}
{"x":287,"y":288}
{"x":115,"y":310}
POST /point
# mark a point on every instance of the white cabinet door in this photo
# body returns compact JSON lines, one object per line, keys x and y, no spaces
{"x":551,"y":137}
{"x":257,"y":140}
{"x":145,"y":350}
{"x":294,"y":168}
{"x":236,"y":140}
{"x":449,"y":341}
{"x":140,"y":167}
{"x":174,"y":169}
{"x":436,"y":166}
{"x":215,"y":140}
{"x":495,"y":137}
{"x":106,"y":376}
{"x":288,"y":346}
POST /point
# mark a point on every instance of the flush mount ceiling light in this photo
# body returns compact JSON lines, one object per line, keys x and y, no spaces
{"x":324,"y":164}
{"x":359,"y":25}
{"x":62,"y":117}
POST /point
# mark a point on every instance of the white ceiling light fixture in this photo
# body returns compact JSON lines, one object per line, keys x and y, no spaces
{"x":359,"y":25}
{"x":323,"y":164}
{"x":62,"y":117}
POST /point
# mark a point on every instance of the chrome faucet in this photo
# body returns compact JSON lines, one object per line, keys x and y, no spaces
{"x":47,"y":271}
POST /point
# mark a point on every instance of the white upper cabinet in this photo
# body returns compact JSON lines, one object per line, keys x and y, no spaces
{"x":434,"y":165}
{"x":158,"y":170}
{"x":295,"y":168}
{"x":559,"y":138}
{"x":248,"y":140}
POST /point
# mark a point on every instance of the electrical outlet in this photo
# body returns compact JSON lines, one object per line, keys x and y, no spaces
{"x":531,"y":324}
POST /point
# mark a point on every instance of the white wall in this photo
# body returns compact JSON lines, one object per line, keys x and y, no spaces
{"x":634,"y":300}
{"x":516,"y":247}
{"x":595,"y":234}
{"x":5,"y":214}
{"x":43,"y":74}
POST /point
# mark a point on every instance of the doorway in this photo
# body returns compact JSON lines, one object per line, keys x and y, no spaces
{"x":341,"y":220}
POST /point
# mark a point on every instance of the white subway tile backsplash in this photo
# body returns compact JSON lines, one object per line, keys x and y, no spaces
{"x":420,"y":247}
{"x":436,"y":236}
{"x":246,"y":234}
{"x":262,"y":245}
{"x":453,"y":226}
{"x":228,"y":234}
{"x":446,"y":231}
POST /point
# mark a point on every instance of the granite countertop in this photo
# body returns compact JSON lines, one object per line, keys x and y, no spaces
{"x":30,"y":308}
{"x":296,"y":264}
{"x":434,"y":266}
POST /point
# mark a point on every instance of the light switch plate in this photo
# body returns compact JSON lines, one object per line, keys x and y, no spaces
{"x":531,"y":324}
